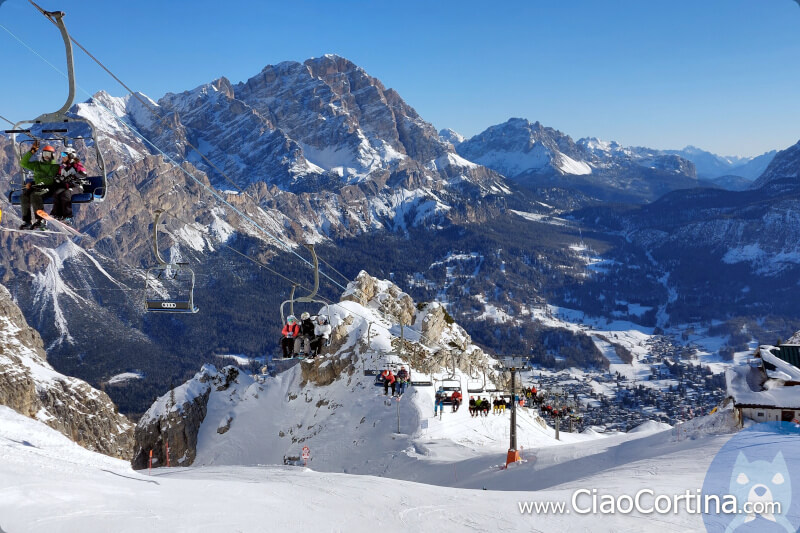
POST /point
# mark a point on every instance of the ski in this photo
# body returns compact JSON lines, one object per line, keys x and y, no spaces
{"x":34,"y":232}
{"x":66,"y":228}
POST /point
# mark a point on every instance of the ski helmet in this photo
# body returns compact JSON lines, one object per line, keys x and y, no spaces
{"x":322,"y":319}
{"x":48,"y":149}
{"x":305,"y":316}
{"x":291,"y":319}
{"x":70,"y":152}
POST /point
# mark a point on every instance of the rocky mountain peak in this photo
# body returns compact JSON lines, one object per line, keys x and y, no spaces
{"x":785,"y":166}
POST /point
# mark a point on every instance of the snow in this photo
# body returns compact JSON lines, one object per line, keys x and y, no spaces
{"x":742,"y":382}
{"x":789,"y":370}
{"x":512,"y":163}
{"x":125,"y":376}
{"x":567,"y":165}
{"x":763,"y":262}
{"x":537,"y":217}
{"x":49,"y":484}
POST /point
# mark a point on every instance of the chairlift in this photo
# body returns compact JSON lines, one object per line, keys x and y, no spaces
{"x":60,"y":129}
{"x":476,"y":385}
{"x":174,"y":273}
{"x":449,"y":384}
{"x":309,"y":298}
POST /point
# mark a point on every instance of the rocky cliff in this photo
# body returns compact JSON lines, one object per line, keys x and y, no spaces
{"x":29,"y":385}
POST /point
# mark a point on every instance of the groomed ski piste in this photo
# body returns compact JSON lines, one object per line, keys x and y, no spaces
{"x":50,"y":484}
{"x":433,"y":475}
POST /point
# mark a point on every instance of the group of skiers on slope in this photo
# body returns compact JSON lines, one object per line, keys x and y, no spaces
{"x":398,"y":382}
{"x":442,"y":398}
{"x":305,"y":338}
{"x":51,"y":177}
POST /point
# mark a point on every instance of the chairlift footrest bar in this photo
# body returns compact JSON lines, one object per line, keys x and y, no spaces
{"x":171,"y":306}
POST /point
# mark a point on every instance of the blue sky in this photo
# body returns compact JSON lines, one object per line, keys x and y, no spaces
{"x":723,"y":75}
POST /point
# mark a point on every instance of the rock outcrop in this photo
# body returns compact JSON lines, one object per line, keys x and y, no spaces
{"x":173,"y":422}
{"x":29,"y":385}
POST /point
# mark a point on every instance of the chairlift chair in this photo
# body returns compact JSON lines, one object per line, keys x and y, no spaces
{"x":449,"y":384}
{"x":55,"y":128}
{"x":178,"y":273}
{"x":309,"y":298}
{"x":476,"y":385}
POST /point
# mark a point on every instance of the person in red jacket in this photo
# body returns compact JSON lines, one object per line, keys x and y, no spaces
{"x":456,"y":397}
{"x":290,"y":332}
{"x":388,"y":379}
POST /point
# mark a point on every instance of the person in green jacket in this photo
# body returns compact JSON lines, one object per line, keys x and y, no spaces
{"x":44,"y":172}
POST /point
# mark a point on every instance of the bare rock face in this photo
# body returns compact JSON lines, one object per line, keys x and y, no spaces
{"x":385,"y":296}
{"x":174,"y":420}
{"x":325,"y":370}
{"x":29,"y":385}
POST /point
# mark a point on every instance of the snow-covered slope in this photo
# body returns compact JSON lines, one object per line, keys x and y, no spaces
{"x":48,"y":484}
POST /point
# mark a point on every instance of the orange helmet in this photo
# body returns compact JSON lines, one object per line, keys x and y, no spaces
{"x":48,"y":148}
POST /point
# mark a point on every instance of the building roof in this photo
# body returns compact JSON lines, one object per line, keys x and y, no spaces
{"x":744,"y":384}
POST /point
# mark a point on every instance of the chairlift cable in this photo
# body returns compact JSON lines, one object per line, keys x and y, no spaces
{"x":4,"y":118}
{"x":293,"y":282}
{"x":231,"y":248}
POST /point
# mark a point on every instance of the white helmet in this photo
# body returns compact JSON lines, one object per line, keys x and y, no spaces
{"x":290,"y":319}
{"x":305,"y":316}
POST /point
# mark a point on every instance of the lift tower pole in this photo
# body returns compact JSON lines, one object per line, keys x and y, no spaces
{"x":513,"y":452}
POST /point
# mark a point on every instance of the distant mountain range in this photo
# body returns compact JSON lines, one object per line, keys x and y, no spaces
{"x":516,"y":217}
{"x":533,"y":154}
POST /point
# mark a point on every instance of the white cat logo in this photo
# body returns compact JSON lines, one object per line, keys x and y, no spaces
{"x":764,"y":489}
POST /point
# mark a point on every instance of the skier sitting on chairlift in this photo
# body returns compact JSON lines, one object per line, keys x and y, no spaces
{"x":388,"y":379}
{"x":44,"y":172}
{"x":290,"y":332}
{"x":441,"y":396}
{"x":402,"y":380}
{"x":456,"y":397}
{"x":473,"y":410}
{"x":322,"y":334}
{"x":69,"y":181}
{"x":302,"y":346}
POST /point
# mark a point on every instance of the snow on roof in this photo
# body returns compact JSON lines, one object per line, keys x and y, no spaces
{"x":744,"y":385}
{"x":784,"y":371}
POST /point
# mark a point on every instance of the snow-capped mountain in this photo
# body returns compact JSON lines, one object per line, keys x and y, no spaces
{"x":30,"y":386}
{"x":451,"y":136}
{"x":710,"y":166}
{"x":536,"y":155}
{"x":517,"y":148}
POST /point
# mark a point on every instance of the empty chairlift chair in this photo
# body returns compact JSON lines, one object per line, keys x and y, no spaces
{"x":178,"y":276}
